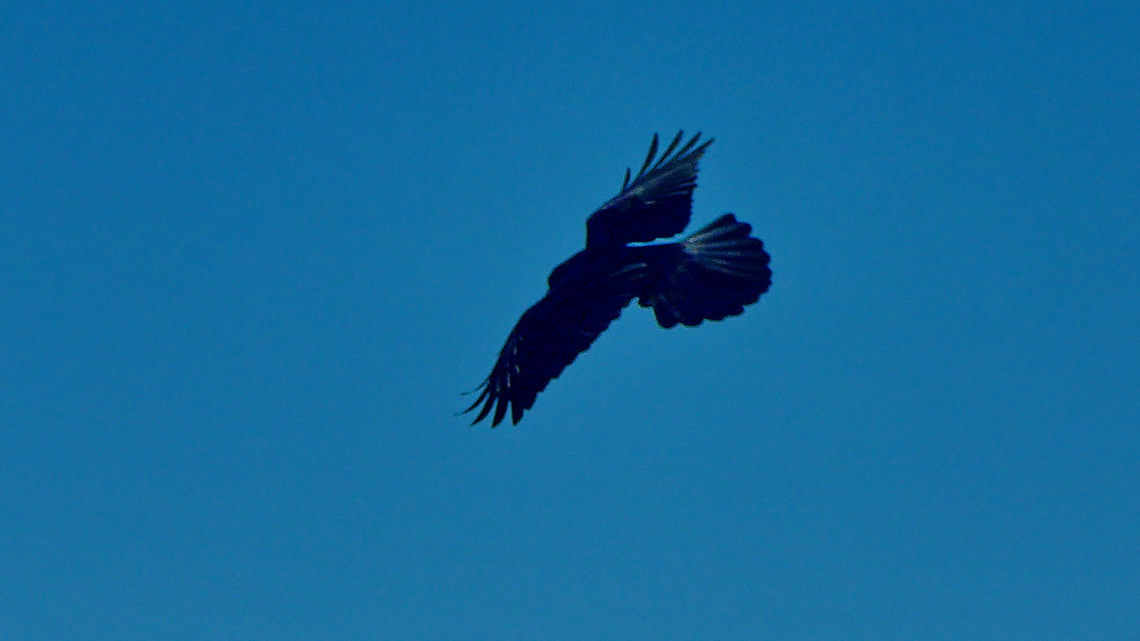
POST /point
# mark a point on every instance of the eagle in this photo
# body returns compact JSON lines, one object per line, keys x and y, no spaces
{"x":709,"y":275}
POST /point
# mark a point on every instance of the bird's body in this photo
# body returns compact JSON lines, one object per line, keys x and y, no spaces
{"x":709,"y":275}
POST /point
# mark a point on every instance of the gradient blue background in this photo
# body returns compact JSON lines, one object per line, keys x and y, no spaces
{"x":251,"y":255}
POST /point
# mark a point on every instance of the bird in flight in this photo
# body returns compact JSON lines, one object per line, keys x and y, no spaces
{"x":709,"y":275}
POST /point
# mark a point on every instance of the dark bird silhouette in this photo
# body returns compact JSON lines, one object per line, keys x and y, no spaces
{"x":709,"y":275}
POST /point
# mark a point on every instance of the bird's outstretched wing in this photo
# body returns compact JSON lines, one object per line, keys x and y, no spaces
{"x":657,"y":203}
{"x":549,"y":336}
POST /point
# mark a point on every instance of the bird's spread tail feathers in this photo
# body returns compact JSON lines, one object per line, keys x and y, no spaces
{"x":716,"y":272}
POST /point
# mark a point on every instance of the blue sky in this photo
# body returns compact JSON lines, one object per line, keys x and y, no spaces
{"x":251,"y":256}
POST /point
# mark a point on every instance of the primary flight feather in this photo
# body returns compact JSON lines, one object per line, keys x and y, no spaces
{"x":709,"y":275}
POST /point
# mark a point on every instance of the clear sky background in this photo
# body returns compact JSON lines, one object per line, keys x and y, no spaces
{"x":251,"y":253}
